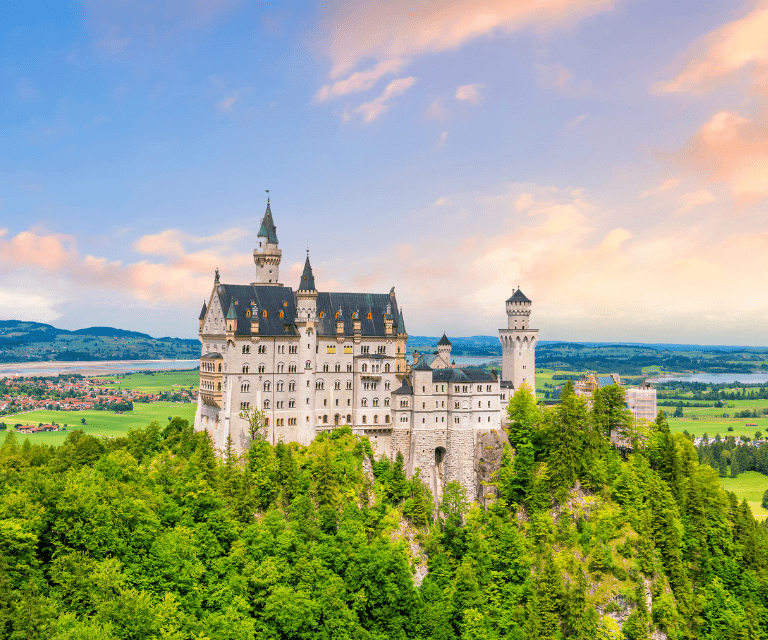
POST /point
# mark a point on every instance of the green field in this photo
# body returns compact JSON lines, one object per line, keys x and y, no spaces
{"x":101,"y":423}
{"x":749,"y":486}
{"x":155,"y":382}
{"x":707,"y":420}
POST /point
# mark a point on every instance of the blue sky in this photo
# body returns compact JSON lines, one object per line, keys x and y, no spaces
{"x":610,"y":158}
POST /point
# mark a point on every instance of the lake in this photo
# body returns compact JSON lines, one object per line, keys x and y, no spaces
{"x":716,"y":378}
{"x":94,"y":368}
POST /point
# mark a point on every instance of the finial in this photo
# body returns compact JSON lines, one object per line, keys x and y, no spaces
{"x":307,"y":252}
{"x":217,"y":275}
{"x":267,"y":190}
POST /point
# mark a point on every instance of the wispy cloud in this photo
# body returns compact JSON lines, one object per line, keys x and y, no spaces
{"x":358,"y":81}
{"x":437,"y":110}
{"x":469,"y":93}
{"x":371,"y":111}
{"x":695,"y":199}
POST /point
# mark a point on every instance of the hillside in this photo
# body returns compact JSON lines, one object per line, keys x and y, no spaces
{"x":622,"y":358}
{"x":22,"y":341}
{"x":153,"y":536}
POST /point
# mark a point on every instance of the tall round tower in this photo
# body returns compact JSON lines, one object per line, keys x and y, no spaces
{"x":266,"y":255}
{"x":518,"y":343}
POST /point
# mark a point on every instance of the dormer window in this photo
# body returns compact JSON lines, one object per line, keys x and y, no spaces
{"x":264,"y":313}
{"x":369,"y":316}
{"x":248,"y":313}
{"x":282,"y":314}
{"x":322,"y":315}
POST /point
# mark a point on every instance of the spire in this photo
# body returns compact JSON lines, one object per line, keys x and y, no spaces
{"x":202,"y":313}
{"x":232,"y":314}
{"x":518,"y":296}
{"x":444,"y":341}
{"x":268,"y":229}
{"x":307,"y":279}
{"x":400,"y":322}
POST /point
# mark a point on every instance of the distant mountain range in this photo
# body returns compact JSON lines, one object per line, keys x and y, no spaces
{"x":22,"y":341}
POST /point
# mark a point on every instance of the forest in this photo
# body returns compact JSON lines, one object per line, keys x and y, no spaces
{"x":157,"y":535}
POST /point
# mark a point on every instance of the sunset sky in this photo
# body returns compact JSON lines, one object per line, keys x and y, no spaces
{"x":609,"y":157}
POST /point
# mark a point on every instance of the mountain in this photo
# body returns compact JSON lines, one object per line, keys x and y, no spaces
{"x":22,"y":341}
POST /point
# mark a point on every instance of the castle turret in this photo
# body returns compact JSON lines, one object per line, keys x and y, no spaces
{"x":518,"y":343}
{"x":306,"y":322}
{"x":231,"y":324}
{"x":266,"y":255}
{"x":202,"y":316}
{"x":444,"y":351}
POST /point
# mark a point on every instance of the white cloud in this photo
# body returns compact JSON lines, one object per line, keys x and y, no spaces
{"x":443,"y":138}
{"x":358,"y":81}
{"x":469,"y":93}
{"x":370,"y":111}
{"x":695,"y":199}
{"x":437,"y":110}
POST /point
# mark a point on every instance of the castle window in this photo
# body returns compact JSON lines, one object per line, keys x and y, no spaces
{"x":245,"y":387}
{"x":279,"y":385}
{"x":307,"y":365}
{"x":325,"y":419}
{"x":354,"y":315}
{"x":347,"y":349}
{"x":423,"y":405}
{"x":245,"y":405}
{"x":455,"y":389}
{"x":264,"y":313}
{"x":479,"y":388}
{"x":375,"y":418}
{"x":245,"y":368}
{"x":364,"y":402}
{"x":375,"y":402}
{"x":325,"y":368}
{"x":281,"y":314}
{"x":478,"y":418}
{"x":337,"y":368}
{"x":248,"y":313}
{"x":291,"y":403}
{"x":365,"y":368}
{"x":369,"y":317}
{"x":349,"y":419}
{"x":266,"y":404}
{"x":291,"y":368}
{"x":386,"y":368}
{"x":330,"y":349}
{"x":488,"y":388}
{"x":386,"y":418}
{"x":285,"y":303}
{"x":267,"y":386}
{"x":336,"y":419}
{"x":349,"y":368}
{"x":280,"y":367}
{"x":291,"y":386}
{"x":364,"y":420}
{"x":319,"y":385}
{"x":386,"y":385}
{"x":349,"y":384}
{"x":386,"y":402}
{"x":456,"y":404}
{"x":337,"y":384}
{"x":261,"y":368}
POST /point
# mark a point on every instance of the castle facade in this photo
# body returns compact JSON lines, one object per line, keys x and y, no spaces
{"x":312,"y":361}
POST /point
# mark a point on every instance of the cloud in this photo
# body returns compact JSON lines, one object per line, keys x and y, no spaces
{"x":385,"y":30}
{"x":575,"y":122}
{"x":370,"y":111}
{"x":558,"y":78}
{"x":226,"y":104}
{"x":437,"y":110}
{"x":695,"y":199}
{"x":469,"y":93}
{"x":443,"y":202}
{"x":733,"y":150}
{"x":358,"y":81}
{"x":443,"y":138}
{"x":724,"y":51}
{"x":668,"y":184}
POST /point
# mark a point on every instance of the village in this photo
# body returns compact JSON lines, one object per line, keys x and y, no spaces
{"x":77,"y":393}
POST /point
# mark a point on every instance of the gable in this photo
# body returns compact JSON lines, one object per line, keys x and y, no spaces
{"x":214,"y":317}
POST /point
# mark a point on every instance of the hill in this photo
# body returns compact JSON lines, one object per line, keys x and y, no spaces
{"x":22,"y":341}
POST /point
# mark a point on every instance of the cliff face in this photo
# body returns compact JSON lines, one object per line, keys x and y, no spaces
{"x":488,"y":452}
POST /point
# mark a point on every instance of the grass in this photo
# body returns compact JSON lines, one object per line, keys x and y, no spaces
{"x":749,"y":486}
{"x":155,"y":382}
{"x":708,"y":419}
{"x":101,"y":423}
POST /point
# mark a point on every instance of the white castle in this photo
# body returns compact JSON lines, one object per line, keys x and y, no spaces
{"x":313,"y":360}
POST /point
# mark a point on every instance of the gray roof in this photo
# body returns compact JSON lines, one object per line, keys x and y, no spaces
{"x":405,"y":389}
{"x":605,"y":381}
{"x":307,"y":279}
{"x":268,"y":229}
{"x":467,"y":374}
{"x":214,"y":355}
{"x":202,"y":313}
{"x":444,"y":341}
{"x":421,"y":365}
{"x":518,"y":296}
{"x":275,"y":299}
{"x":231,"y":314}
{"x":401,"y":323}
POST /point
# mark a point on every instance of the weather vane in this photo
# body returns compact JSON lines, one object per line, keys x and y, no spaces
{"x":267,"y":190}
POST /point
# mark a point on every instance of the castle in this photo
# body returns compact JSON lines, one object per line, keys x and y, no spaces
{"x":314,"y":360}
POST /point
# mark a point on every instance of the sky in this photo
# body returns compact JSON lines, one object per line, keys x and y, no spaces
{"x":608,"y":157}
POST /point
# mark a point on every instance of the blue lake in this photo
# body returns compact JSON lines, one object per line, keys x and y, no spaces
{"x":91,"y":368}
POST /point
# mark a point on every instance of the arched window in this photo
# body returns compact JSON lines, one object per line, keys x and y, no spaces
{"x":369,"y":317}
{"x":365,"y":368}
{"x":349,"y":368}
{"x":261,"y":368}
{"x":336,"y":419}
{"x":375,"y":402}
{"x":349,"y":419}
{"x":264,"y":313}
{"x":266,"y":404}
{"x":281,"y":314}
{"x":279,"y":385}
{"x":364,"y":420}
{"x":291,"y":386}
{"x":376,"y":419}
{"x":245,"y":368}
{"x":325,"y":368}
{"x":219,"y":389}
{"x":247,"y":313}
{"x":267,"y":386}
{"x":364,"y":402}
{"x":245,"y":387}
{"x":307,"y":365}
{"x":386,"y":368}
{"x":325,"y":419}
{"x":386,"y":402}
{"x":322,"y":315}
{"x":386,"y":418}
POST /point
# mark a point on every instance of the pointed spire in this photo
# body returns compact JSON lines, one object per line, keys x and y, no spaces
{"x":307,"y":279}
{"x":268,"y":229}
{"x":444,"y":341}
{"x":202,"y":313}
{"x":232,"y":314}
{"x":216,"y":279}
{"x":400,"y":322}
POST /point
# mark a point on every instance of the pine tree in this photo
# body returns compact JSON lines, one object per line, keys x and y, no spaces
{"x":567,"y":425}
{"x":523,"y":415}
{"x":325,"y":477}
{"x":397,"y":485}
{"x":723,"y":467}
{"x":734,"y":467}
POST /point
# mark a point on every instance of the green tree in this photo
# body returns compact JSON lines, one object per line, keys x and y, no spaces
{"x":256,"y":426}
{"x":524,"y":416}
{"x":567,"y":426}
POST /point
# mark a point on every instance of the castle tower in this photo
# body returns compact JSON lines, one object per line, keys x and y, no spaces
{"x":444,"y":351}
{"x":306,"y":322}
{"x":518,"y":343}
{"x":267,"y":256}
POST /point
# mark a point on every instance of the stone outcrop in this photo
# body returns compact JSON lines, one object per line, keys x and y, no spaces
{"x":489,"y":450}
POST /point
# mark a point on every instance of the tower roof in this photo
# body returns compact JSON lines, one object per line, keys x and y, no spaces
{"x":232,"y":314}
{"x":202,"y":313}
{"x":444,"y":341}
{"x":307,"y":279}
{"x":518,"y":296}
{"x":268,"y":229}
{"x":400,"y":322}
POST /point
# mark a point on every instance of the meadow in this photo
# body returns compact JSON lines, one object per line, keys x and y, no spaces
{"x":100,"y":423}
{"x":155,"y":381}
{"x":749,"y":486}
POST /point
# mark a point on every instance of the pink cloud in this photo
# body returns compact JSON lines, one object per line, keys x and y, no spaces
{"x":395,"y":30}
{"x":469,"y":93}
{"x":370,"y":111}
{"x":359,"y":81}
{"x":733,"y":150}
